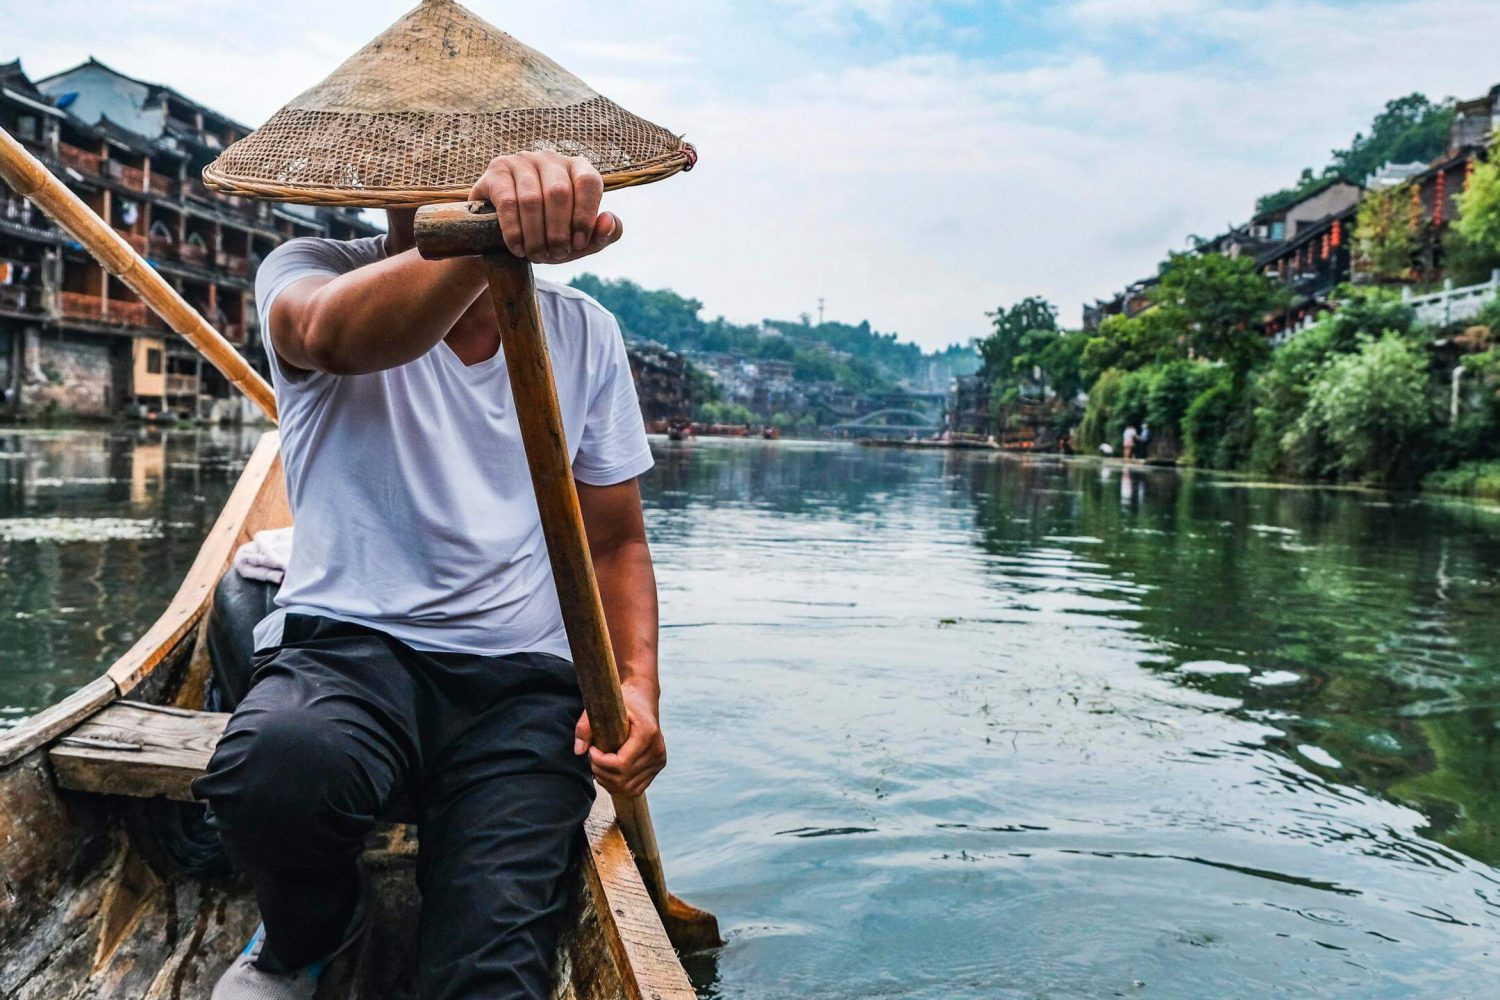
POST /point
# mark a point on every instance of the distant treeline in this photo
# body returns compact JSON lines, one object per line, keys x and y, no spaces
{"x":855,"y":357}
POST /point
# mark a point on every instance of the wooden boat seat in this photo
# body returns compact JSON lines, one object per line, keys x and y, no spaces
{"x":146,"y":751}
{"x":139,"y":750}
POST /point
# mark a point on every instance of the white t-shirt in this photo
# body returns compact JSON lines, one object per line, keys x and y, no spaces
{"x":409,"y":487}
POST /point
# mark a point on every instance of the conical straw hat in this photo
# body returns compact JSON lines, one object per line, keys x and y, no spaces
{"x":417,"y":114}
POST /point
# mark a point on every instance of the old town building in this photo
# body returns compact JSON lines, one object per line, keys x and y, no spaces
{"x":75,"y":340}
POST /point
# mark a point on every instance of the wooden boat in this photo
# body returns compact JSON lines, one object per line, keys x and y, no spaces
{"x":100,"y":898}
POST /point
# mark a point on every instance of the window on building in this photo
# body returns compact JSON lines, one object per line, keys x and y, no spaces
{"x":26,"y":128}
{"x":153,"y":361}
{"x":1278,"y":230}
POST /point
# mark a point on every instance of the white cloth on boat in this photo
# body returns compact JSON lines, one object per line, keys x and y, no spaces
{"x":409,"y":487}
{"x":265,"y":556}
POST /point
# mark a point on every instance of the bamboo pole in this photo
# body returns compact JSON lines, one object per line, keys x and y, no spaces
{"x":24,"y":173}
{"x":454,"y":230}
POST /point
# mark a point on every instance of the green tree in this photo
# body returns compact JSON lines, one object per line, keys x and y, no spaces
{"x":1369,"y":408}
{"x":1386,"y":242}
{"x":1476,"y":244}
{"x":1131,"y":342}
{"x":1018,"y":337}
{"x":1411,"y":129}
{"x":1218,"y":305}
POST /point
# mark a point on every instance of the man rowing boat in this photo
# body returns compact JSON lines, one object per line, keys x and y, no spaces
{"x":418,"y":646}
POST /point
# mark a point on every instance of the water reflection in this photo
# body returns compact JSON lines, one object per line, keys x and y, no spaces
{"x":97,"y":528}
{"x":957,"y":726}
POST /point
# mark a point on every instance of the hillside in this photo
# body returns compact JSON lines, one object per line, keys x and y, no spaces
{"x":856,"y":357}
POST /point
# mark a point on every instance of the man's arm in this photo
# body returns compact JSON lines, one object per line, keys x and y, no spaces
{"x":396,"y":310}
{"x":627,"y":586}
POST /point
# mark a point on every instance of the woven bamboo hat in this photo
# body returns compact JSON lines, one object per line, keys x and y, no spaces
{"x":417,"y":114}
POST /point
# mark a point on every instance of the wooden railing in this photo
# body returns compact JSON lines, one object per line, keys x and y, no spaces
{"x":80,"y":159}
{"x":192,"y":253}
{"x":128,"y":313}
{"x":81,"y":306}
{"x":119,"y":312}
{"x":233,"y":332}
{"x":162,"y":249}
{"x":160,"y":184}
{"x":133,"y":177}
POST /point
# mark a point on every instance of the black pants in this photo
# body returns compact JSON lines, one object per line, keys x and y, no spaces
{"x":338,"y":720}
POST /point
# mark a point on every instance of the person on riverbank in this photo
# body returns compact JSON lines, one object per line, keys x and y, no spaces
{"x":418,"y":646}
{"x":1128,"y":451}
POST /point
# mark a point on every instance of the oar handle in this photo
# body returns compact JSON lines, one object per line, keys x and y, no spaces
{"x":458,"y":229}
{"x":32,"y":180}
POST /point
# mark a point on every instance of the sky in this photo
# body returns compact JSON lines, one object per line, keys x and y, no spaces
{"x":913,"y":164}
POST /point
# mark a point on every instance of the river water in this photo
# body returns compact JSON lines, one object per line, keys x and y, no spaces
{"x":959,"y":726}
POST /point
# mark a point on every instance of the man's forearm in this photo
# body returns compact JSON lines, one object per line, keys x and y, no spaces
{"x":388,"y":313}
{"x":627,"y":588}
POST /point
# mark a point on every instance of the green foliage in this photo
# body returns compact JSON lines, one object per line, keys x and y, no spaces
{"x":1207,"y":424}
{"x":1018,"y":337}
{"x":1477,"y":480}
{"x":1282,"y":387}
{"x":1129,"y":343}
{"x":1387,"y":243}
{"x":1217,"y":305}
{"x":1366,"y":409}
{"x":875,"y":361}
{"x":1104,"y":397}
{"x":1411,"y":129}
{"x":701,"y":387}
{"x":1475,"y":233}
{"x":724,"y":413}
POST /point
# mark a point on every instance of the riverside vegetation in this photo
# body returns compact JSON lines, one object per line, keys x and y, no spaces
{"x":1363,"y":395}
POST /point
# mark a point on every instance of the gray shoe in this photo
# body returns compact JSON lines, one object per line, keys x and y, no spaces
{"x":243,"y":981}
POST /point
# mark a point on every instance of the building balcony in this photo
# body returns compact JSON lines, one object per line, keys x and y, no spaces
{"x":133,"y":178}
{"x":161,"y":249}
{"x":233,"y":264}
{"x":80,"y":160}
{"x":141,"y":244}
{"x":235,"y":333}
{"x":160,"y":184}
{"x":193,"y":253}
{"x":117,"y":312}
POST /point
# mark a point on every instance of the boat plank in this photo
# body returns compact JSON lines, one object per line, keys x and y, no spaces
{"x":49,"y":723}
{"x":138,"y":750}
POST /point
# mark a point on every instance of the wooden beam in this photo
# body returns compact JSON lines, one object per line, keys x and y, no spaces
{"x":140,"y":750}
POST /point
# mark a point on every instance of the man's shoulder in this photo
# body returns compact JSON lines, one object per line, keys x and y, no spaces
{"x":568,"y":299}
{"x":323,"y":253}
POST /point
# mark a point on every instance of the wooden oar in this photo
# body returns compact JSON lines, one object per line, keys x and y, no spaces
{"x":466,"y":229}
{"x":31,"y":179}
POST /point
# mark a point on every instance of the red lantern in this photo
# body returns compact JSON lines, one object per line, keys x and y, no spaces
{"x":1442,"y":195}
{"x":1325,"y":246}
{"x":1337,"y":235}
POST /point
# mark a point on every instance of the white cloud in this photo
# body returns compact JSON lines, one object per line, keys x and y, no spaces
{"x":916,"y":191}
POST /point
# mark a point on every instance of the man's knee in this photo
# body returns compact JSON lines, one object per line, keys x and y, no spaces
{"x":289,"y":782}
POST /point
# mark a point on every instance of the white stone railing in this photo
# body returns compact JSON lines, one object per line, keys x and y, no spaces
{"x":1452,"y":305}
